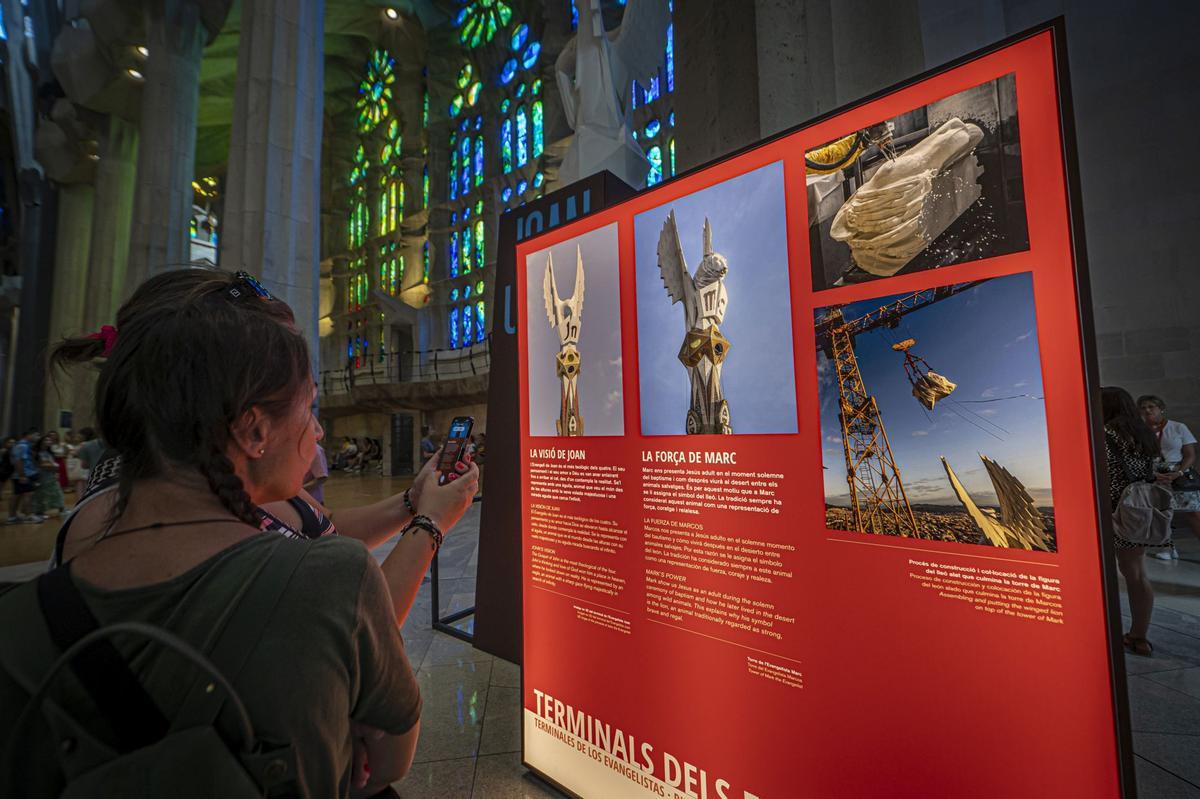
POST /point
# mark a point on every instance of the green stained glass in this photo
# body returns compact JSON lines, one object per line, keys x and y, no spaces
{"x":473,"y":93}
{"x":671,"y":149}
{"x":425,"y":109}
{"x":425,"y":187}
{"x":537,"y":128}
{"x":375,"y":91}
{"x":456,"y":105}
{"x":478,"y":21}
{"x":479,"y":243}
{"x":479,"y":206}
{"x":393,"y":129}
{"x":464,"y":76}
{"x":466,"y":250}
{"x":479,"y":287}
{"x":385,"y":153}
{"x":506,"y":152}
{"x":537,"y":86}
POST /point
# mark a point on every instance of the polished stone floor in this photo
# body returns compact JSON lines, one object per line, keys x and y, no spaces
{"x":470,"y":735}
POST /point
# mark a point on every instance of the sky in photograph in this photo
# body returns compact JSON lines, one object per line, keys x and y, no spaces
{"x":985,"y":340}
{"x":749,"y":229}
{"x":599,"y":381}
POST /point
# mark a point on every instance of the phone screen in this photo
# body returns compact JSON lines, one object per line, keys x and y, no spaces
{"x":456,"y":442}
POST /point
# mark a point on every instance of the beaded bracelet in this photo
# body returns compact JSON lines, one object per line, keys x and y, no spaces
{"x":427,"y":524}
{"x":408,"y":503}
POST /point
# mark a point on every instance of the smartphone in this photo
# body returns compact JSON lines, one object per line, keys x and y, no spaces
{"x":455,"y":446}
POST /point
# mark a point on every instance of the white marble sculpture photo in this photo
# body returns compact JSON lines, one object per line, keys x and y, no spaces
{"x":936,"y":186}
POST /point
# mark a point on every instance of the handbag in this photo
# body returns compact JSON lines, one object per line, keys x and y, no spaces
{"x":1143,"y":515}
{"x":1188,"y":481}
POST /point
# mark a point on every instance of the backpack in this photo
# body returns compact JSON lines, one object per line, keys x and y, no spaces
{"x":1143,"y":515}
{"x":185,"y":757}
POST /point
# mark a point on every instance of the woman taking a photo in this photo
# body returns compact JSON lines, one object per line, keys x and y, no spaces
{"x":1130,"y":450}
{"x":207,"y":398}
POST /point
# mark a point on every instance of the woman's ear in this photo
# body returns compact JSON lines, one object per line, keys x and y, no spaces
{"x":251,"y":433}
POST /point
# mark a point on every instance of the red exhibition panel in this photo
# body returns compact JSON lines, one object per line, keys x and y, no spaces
{"x":887,"y":579}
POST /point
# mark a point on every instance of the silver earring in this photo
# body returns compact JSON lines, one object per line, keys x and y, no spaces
{"x":262,"y":451}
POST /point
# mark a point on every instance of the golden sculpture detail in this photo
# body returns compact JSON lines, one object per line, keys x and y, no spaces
{"x":704,"y":303}
{"x":1019,"y":523}
{"x":566,"y":316}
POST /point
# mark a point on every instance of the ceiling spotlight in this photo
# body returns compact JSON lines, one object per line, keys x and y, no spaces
{"x":142,"y":50}
{"x":135,"y":74}
{"x":391,"y":13}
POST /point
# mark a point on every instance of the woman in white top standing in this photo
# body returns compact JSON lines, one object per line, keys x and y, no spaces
{"x":1179,"y":454}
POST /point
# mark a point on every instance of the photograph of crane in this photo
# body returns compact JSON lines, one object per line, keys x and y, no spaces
{"x":934,"y":186}
{"x":957,"y":454}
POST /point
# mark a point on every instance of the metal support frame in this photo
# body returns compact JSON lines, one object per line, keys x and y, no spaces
{"x":444,"y":623}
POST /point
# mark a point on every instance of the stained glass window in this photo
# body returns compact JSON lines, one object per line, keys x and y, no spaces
{"x":478,"y":163}
{"x":465,"y":250}
{"x":530,"y":56}
{"x":479,"y":243}
{"x":537,"y":128}
{"x":478,"y":20}
{"x":453,"y":328}
{"x":425,"y":187}
{"x":479,"y":287}
{"x":480,"y":325}
{"x":468,"y":324}
{"x":508,"y":71}
{"x":506,"y":150}
{"x":654,"y":154}
{"x":519,"y":36}
{"x":522,"y":136}
{"x":425,"y":260}
{"x":453,"y":255}
{"x":453,"y":183}
{"x":375,"y":91}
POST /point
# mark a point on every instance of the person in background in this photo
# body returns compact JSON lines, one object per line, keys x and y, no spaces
{"x":1178,"y":447}
{"x":1130,"y":449}
{"x":59,"y":450}
{"x":25,"y":478}
{"x":48,"y":496}
{"x":318,"y":473}
{"x":89,"y":452}
{"x":428,"y":447}
{"x":76,"y":474}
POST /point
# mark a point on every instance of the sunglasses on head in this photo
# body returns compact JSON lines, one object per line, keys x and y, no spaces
{"x":247,"y":285}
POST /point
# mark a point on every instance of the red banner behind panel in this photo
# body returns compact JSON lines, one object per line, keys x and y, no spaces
{"x":809,"y":507}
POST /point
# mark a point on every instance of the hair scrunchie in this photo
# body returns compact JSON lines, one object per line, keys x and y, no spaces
{"x":107,"y":334}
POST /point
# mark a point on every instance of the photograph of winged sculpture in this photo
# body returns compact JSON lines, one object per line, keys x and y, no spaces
{"x":933,"y":422}
{"x":714,"y":316}
{"x":573,"y":302}
{"x":935,"y":186}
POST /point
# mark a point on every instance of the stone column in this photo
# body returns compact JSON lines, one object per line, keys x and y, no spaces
{"x":70,"y":280}
{"x":716,"y":80}
{"x":175,"y":35}
{"x":109,"y":253}
{"x":272,"y":221}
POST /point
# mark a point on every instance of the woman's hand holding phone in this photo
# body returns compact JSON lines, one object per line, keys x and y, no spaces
{"x":445,"y":503}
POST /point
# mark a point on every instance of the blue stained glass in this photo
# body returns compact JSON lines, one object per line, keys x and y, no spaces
{"x":655,"y":175}
{"x":539,"y":179}
{"x":521,"y":187}
{"x":504,"y":105}
{"x":462,"y":14}
{"x":521,"y":90}
{"x":506,"y":195}
{"x":453,"y":295}
{"x":463,"y":125}
{"x":480,"y":325}
{"x":529,"y":59}
{"x":453,"y":256}
{"x":633,"y":94}
{"x":468,"y":324}
{"x":478,"y":123}
{"x":466,"y":213}
{"x":506,"y":154}
{"x":522,"y":136}
{"x":652,"y":128}
{"x":454,"y":217}
{"x":671,"y":119}
{"x":466,"y":250}
{"x":671,"y":57}
{"x":519,"y":36}
{"x":478,"y":160}
{"x":574,"y":15}
{"x":453,"y":328}
{"x":651,"y":94}
{"x":466,"y":292}
{"x":508,"y":71}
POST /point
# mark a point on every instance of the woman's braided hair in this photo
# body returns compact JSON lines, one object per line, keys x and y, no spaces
{"x":189,"y":361}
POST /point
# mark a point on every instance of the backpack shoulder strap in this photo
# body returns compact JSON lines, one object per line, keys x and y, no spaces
{"x":134,"y":717}
{"x":242,"y":632}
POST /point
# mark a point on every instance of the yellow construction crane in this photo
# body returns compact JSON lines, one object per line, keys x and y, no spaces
{"x":877,"y":496}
